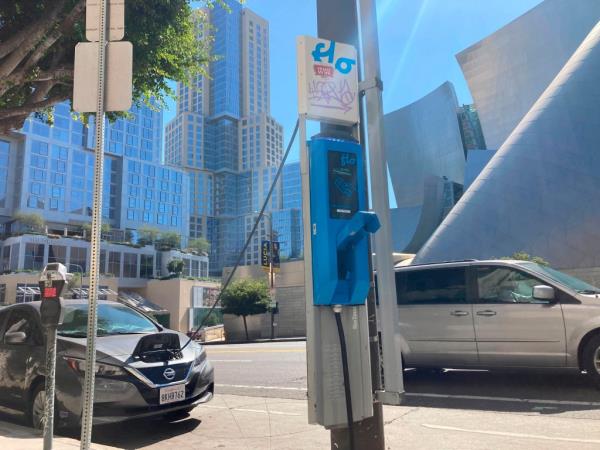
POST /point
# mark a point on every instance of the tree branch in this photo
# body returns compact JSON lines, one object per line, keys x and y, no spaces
{"x":61,"y":74}
{"x":13,"y":123}
{"x":33,"y":34}
{"x":66,"y":26}
{"x":31,"y":107}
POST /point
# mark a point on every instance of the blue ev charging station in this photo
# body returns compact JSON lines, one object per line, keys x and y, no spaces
{"x":340,"y":222}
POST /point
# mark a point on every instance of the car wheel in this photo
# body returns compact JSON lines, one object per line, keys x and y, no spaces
{"x":37,"y":407}
{"x":591,"y":359}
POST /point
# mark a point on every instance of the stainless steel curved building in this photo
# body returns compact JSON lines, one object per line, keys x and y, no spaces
{"x":508,"y":71}
{"x":541,"y":190}
{"x":425,"y":152}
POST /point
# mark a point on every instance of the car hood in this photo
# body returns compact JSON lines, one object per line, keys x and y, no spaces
{"x":110,"y":348}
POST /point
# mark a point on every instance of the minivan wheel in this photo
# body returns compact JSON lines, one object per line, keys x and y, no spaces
{"x":37,"y":407}
{"x":591,"y":359}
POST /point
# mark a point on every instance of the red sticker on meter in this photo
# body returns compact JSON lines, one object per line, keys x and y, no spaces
{"x":49,"y":292}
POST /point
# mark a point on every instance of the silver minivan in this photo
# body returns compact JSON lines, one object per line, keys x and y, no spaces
{"x":498,"y":313}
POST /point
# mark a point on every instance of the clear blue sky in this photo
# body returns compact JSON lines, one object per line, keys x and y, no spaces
{"x":418,"y":41}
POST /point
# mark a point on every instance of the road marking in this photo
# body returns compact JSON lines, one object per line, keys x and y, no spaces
{"x":242,"y":386}
{"x":508,"y":434}
{"x":293,"y":350}
{"x":231,"y":360}
{"x":504,"y":399}
{"x":279,"y":413}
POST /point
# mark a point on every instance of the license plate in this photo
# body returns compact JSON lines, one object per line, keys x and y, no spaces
{"x":172,"y":394}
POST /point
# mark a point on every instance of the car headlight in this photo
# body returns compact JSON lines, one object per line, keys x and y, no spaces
{"x":102,"y":370}
{"x":200,"y":355}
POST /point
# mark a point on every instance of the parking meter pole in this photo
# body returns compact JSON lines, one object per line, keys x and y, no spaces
{"x":90,"y":357}
{"x":373,"y":87}
{"x":50,"y":383}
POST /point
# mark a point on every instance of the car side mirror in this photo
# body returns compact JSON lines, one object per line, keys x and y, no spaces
{"x":542,"y":292}
{"x":15,"y":337}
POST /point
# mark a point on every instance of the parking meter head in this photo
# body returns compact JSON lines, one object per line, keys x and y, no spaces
{"x":340,"y":224}
{"x":52,"y":281}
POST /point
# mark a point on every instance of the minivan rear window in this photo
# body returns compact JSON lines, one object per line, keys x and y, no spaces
{"x":431,"y":286}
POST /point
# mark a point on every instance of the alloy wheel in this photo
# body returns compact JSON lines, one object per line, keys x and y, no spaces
{"x":38,"y":410}
{"x":597,"y":360}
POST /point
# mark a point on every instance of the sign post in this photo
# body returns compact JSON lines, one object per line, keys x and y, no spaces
{"x":102,"y":82}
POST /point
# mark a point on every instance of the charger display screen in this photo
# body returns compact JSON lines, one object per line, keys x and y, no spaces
{"x":343,"y":184}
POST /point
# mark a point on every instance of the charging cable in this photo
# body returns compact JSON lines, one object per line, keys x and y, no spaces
{"x":337,"y":311}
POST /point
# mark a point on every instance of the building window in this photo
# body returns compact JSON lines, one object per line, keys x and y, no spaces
{"x":14,"y":257}
{"x":103,"y":261}
{"x":5,"y":259}
{"x":129,"y":265}
{"x":114,"y":263}
{"x":57,"y":254}
{"x":78,"y":260}
{"x":146,"y":266}
{"x":34,"y":257}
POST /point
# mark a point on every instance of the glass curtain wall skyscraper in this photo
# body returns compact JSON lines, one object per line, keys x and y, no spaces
{"x":224,"y":137}
{"x":50,"y":171}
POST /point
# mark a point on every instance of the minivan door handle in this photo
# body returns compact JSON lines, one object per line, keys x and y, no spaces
{"x":486,"y":313}
{"x":459,"y":313}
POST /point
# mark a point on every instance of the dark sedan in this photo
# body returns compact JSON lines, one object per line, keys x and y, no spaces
{"x":127,"y":386}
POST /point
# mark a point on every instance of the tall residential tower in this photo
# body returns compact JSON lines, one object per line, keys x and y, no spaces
{"x":224,"y":137}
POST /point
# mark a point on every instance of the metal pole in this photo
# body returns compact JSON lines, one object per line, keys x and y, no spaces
{"x":50,"y":383}
{"x":271,"y":281}
{"x":384,"y":264}
{"x":90,"y":373}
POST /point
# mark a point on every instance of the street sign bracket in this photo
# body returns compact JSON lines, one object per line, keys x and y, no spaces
{"x":373,"y":83}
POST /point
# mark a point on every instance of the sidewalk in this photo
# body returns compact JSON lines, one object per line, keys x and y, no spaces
{"x":16,"y":437}
{"x":258,"y":423}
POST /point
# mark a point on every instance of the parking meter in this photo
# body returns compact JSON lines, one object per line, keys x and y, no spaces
{"x":340,"y":224}
{"x":52,"y":281}
{"x":51,"y":284}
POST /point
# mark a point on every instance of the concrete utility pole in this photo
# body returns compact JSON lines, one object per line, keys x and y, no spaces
{"x":337,"y":20}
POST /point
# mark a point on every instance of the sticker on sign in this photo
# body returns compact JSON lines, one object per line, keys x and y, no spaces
{"x":327,"y":80}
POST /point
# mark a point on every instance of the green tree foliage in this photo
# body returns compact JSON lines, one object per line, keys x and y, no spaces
{"x":31,"y":221}
{"x":169,"y":240}
{"x":175,"y":266}
{"x":245,"y":298}
{"x":105,"y":229}
{"x":199,"y":245}
{"x":147,"y":235}
{"x":37,"y":46}
{"x":522,"y":256}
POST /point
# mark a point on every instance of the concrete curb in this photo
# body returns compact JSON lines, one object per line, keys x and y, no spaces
{"x":257,"y":341}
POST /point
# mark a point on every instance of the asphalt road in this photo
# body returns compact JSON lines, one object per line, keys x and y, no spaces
{"x":278,"y":369}
{"x":256,"y":407}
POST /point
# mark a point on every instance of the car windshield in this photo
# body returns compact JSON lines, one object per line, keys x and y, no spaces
{"x":112,"y":319}
{"x":574,"y":283}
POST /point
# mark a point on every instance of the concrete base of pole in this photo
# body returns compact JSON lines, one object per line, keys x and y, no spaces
{"x":368,"y":433}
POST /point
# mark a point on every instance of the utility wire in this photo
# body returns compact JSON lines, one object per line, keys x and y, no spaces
{"x":249,"y":238}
